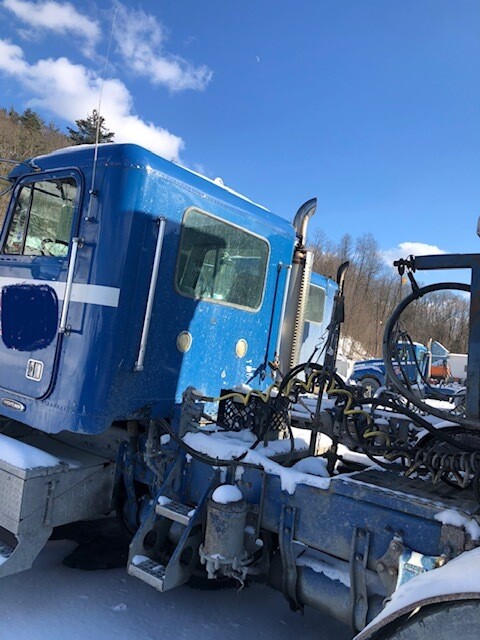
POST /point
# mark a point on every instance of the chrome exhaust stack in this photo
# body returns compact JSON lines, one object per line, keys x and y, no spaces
{"x":297,"y":292}
{"x":302,"y":218}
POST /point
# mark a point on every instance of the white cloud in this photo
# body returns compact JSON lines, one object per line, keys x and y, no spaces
{"x":62,"y":18}
{"x":71,"y":91}
{"x":405,"y":249}
{"x":140,"y":40}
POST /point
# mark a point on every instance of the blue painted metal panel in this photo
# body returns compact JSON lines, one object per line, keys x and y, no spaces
{"x":94,"y":382}
{"x":326,"y":518}
{"x":314,"y":333}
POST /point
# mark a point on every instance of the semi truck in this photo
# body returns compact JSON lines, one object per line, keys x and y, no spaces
{"x":412,"y":358}
{"x":419,"y":364}
{"x":152,"y":324}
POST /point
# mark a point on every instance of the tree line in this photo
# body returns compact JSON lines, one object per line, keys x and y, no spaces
{"x":24,"y":135}
{"x":373,"y":289}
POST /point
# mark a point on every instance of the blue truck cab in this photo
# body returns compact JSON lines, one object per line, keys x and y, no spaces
{"x":413,"y":358}
{"x":124,"y":279}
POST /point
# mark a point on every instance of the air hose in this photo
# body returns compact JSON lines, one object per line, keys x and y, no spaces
{"x":388,"y":346}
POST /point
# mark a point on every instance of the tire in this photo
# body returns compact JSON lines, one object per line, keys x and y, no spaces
{"x":444,"y":621}
{"x":370,"y":386}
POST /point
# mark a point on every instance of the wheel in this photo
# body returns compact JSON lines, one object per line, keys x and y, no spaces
{"x":370,"y":386}
{"x":444,"y":621}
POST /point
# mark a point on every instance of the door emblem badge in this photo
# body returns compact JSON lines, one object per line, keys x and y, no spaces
{"x":34,"y":370}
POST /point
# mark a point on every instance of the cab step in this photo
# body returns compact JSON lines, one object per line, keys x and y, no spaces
{"x":174,"y":510}
{"x":148,"y":571}
{"x":152,"y":544}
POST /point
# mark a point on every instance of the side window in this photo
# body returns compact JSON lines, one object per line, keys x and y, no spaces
{"x":42,"y":218}
{"x":220,"y":262}
{"x":315,"y":304}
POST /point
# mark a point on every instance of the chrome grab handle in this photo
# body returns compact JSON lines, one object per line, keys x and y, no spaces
{"x":151,"y":295}
{"x":76,"y":244}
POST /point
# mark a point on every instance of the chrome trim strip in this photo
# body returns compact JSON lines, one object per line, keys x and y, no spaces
{"x":151,"y":295}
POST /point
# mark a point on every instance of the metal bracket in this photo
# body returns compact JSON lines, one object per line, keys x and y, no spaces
{"x":453,"y":540}
{"x":387,"y":565}
{"x":289,"y":567}
{"x":358,"y":579}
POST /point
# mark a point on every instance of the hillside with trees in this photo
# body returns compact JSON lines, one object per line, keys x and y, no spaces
{"x":24,"y":135}
{"x":373,"y":290}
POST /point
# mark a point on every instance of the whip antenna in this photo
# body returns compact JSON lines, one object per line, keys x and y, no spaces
{"x":92,"y":191}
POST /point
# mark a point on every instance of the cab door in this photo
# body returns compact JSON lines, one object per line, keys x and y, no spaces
{"x":35,"y":252}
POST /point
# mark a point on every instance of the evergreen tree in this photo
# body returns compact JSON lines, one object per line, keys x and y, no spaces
{"x":12,"y":114}
{"x":86,"y":132}
{"x":31,"y":120}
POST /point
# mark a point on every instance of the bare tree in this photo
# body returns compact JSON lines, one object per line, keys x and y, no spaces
{"x":373,"y":289}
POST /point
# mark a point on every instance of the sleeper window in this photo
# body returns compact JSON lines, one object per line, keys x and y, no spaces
{"x":315,"y":305}
{"x":220,"y":262}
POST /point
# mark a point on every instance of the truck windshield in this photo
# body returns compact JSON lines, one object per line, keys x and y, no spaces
{"x":42,"y":218}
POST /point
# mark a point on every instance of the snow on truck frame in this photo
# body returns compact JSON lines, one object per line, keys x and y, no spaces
{"x":152,"y":325}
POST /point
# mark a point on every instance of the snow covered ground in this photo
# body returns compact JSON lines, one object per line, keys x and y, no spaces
{"x":54,"y":602}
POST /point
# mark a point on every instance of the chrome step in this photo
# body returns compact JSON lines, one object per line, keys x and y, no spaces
{"x":174,"y":511}
{"x":148,"y":571}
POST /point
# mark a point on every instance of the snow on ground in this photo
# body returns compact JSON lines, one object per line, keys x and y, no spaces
{"x":54,"y":602}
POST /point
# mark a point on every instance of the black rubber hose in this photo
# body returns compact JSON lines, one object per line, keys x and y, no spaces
{"x":388,"y":347}
{"x":414,"y":417}
{"x":308,"y":365}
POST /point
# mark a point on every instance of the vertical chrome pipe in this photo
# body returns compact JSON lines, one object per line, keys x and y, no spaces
{"x":302,"y":217}
{"x":297,"y":291}
{"x":76,"y":243}
{"x":151,"y":295}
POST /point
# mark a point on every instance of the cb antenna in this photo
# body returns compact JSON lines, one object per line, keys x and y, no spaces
{"x":92,"y":192}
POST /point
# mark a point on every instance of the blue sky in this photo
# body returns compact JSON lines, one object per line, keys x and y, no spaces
{"x":371,"y":105}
